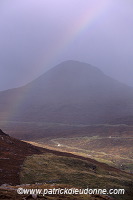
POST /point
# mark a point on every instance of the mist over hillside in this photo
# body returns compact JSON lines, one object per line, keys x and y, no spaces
{"x":71,"y":92}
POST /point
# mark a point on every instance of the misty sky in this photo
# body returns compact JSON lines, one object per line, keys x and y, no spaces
{"x":35,"y":35}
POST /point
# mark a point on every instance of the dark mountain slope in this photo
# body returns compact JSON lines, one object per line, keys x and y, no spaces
{"x":12,"y":154}
{"x":71,"y":92}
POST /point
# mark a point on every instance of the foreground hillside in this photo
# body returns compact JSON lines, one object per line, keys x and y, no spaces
{"x":71,"y":92}
{"x":22,"y":163}
{"x":12,"y":155}
{"x":75,"y":171}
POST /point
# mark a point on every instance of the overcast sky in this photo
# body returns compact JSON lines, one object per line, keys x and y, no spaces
{"x":35,"y":35}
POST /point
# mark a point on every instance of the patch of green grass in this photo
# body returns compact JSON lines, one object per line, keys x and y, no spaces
{"x":50,"y":168}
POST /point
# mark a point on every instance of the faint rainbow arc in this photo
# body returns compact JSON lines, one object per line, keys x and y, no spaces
{"x":85,"y":20}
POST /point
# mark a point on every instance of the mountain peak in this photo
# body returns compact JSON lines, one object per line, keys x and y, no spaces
{"x":69,"y":74}
{"x":78,"y":66}
{"x":71,"y":92}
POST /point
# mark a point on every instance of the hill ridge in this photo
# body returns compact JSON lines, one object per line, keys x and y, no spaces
{"x":71,"y":92}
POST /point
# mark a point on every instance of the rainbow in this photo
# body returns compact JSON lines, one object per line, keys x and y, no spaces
{"x":87,"y":18}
